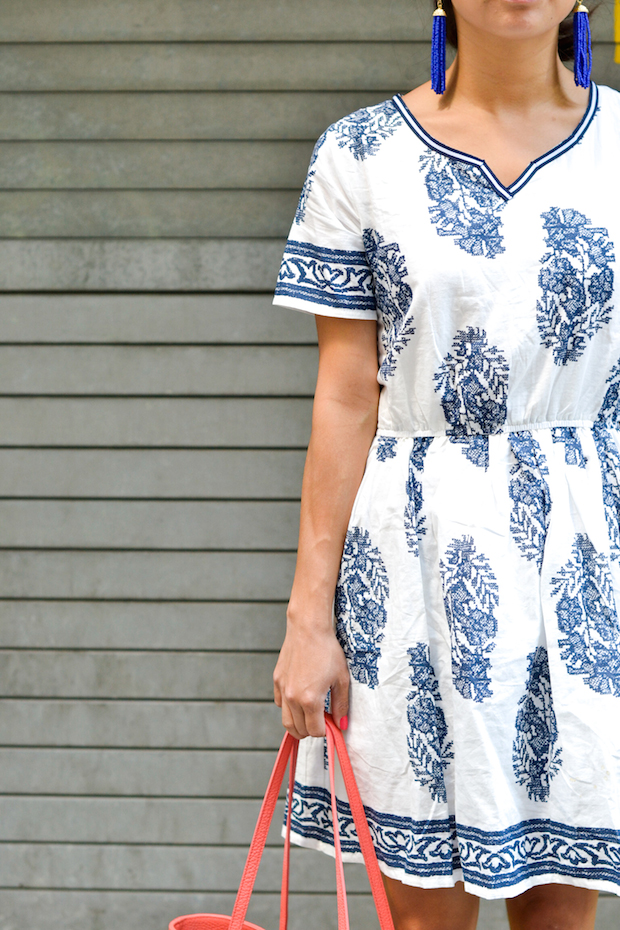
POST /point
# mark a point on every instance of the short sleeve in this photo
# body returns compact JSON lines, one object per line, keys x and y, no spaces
{"x":325,"y":269}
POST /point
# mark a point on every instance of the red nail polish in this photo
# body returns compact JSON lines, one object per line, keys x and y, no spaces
{"x":344,"y":723}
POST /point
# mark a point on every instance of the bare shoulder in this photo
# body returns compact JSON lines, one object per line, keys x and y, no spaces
{"x":423,"y":102}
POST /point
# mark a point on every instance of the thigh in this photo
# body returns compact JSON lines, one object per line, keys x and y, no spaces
{"x":431,"y":908}
{"x":553,"y":906}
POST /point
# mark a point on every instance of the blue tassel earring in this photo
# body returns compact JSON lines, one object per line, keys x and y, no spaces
{"x":582,"y":44}
{"x":438,"y":50}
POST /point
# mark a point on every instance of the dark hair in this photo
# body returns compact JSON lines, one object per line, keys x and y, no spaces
{"x":565,"y":38}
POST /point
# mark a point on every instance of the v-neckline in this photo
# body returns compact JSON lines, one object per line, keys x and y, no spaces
{"x":505,"y":191}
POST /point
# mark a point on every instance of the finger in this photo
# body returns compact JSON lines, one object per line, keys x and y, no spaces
{"x":340,"y":702}
{"x":288,"y":721}
{"x":315,"y":719}
{"x":299,"y":720}
{"x":277,"y":694}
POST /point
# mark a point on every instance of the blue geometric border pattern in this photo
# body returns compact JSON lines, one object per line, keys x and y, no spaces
{"x":421,"y":848}
{"x":489,"y":859}
{"x":538,"y":847}
{"x":333,"y":277}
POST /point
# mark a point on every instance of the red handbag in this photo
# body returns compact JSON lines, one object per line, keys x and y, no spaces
{"x":288,"y":749}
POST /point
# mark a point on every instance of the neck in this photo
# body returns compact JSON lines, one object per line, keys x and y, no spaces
{"x":500,"y":75}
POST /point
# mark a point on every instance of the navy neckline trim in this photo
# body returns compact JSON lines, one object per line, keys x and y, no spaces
{"x":506,"y":192}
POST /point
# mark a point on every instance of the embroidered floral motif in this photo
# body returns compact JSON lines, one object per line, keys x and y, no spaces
{"x":393,"y":297}
{"x":429,"y":749}
{"x":465,"y":205}
{"x":361,"y":593}
{"x":475,"y":449}
{"x":535,"y":758}
{"x":470,"y":595}
{"x":573,"y":453}
{"x":586,"y":613}
{"x":414,"y":521}
{"x":386,"y":448}
{"x":610,"y":408}
{"x":529,"y":493}
{"x":609,"y":459}
{"x":473,"y":383}
{"x":335,"y":277}
{"x":363,"y":132}
{"x":576,"y":280}
{"x":300,"y":213}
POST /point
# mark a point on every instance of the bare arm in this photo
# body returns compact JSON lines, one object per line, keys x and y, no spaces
{"x":344,"y":421}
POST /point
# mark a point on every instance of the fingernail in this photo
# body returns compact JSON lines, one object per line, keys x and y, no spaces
{"x":344,"y":723}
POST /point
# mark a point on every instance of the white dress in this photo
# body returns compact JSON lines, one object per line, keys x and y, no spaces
{"x":479,"y":589}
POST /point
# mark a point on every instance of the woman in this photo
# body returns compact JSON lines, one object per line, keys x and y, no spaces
{"x":461,"y":494}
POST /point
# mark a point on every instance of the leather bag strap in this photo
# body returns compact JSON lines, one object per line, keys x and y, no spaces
{"x":287,"y":750}
{"x":261,"y":830}
{"x":287,"y":840}
{"x":361,"y":826}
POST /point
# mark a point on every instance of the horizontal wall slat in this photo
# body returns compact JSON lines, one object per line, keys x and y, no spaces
{"x":135,"y":772}
{"x":175,"y":868}
{"x":143,"y":214}
{"x":176,"y":116}
{"x":150,"y":473}
{"x":132,"y":820}
{"x":132,"y":20}
{"x":158,"y":370}
{"x":139,"y":265}
{"x":181,"y":525}
{"x":248,"y":66}
{"x":127,"y":20}
{"x":252,"y":66}
{"x":74,"y":910}
{"x":153,"y":165}
{"x":159,"y":675}
{"x":140,"y":724}
{"x":191,"y":422}
{"x":132,"y":625}
{"x":192,"y":116}
{"x":146,"y":575}
{"x":150,"y":318}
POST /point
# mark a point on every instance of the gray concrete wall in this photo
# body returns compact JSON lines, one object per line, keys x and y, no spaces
{"x":154,"y":411}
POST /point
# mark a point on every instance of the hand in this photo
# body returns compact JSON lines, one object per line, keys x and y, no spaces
{"x":310,"y":663}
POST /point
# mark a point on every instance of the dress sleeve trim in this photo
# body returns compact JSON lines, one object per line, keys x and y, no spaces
{"x":336,"y":279}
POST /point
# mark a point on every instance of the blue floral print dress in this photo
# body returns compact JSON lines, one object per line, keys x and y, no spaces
{"x":479,"y":592}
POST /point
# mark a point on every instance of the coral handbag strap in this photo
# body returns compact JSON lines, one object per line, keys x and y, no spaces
{"x":261,"y":830}
{"x":341,"y":892}
{"x":361,"y":826}
{"x":288,"y":749}
{"x":287,"y":841}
